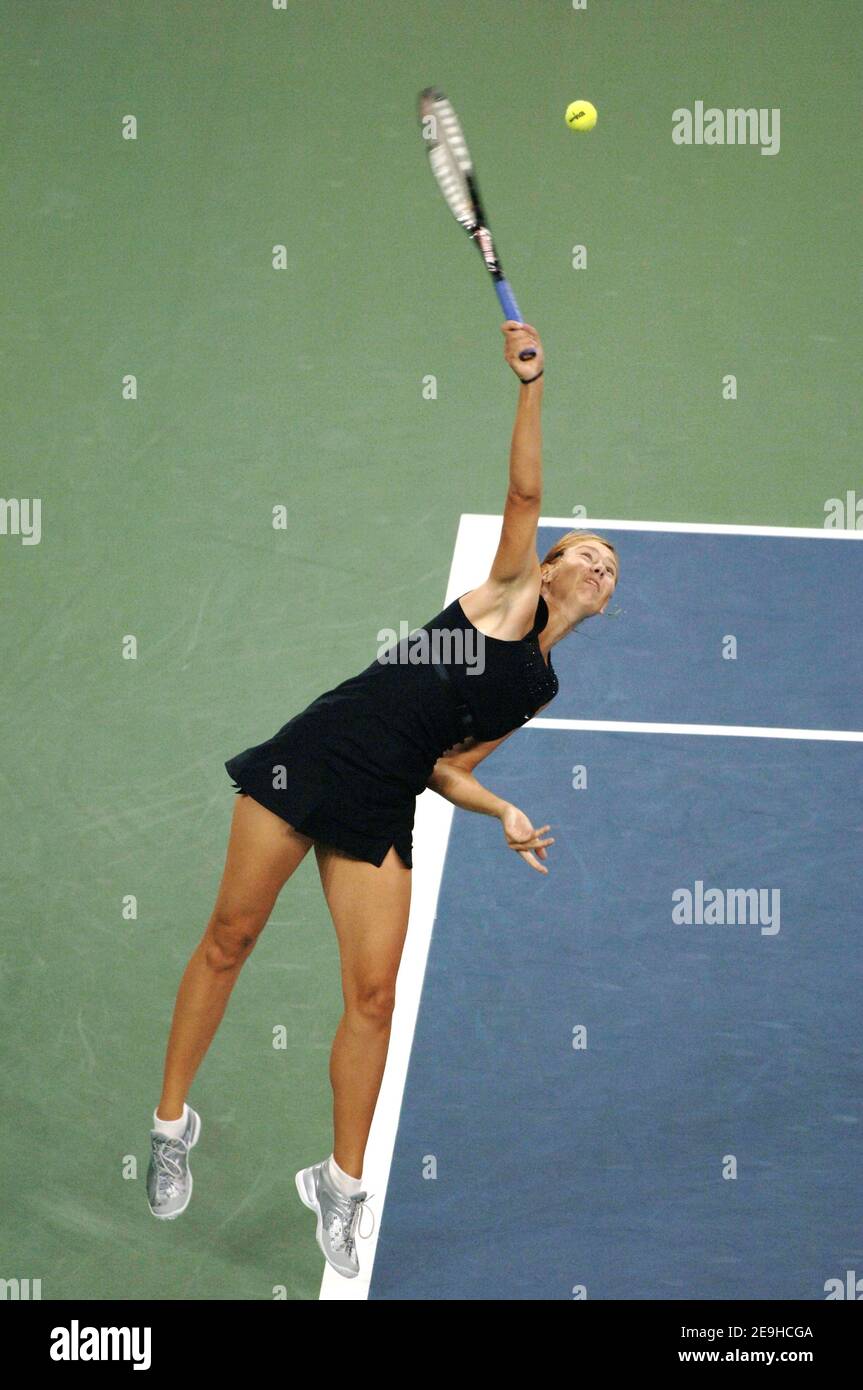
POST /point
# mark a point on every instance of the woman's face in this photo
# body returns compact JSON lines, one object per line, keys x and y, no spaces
{"x":588,"y":573}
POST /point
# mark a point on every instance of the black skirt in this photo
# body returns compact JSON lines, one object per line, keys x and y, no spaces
{"x":347,"y":770}
{"x":292,"y":775}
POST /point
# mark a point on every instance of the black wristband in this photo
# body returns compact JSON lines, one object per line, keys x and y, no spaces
{"x":525,"y":381}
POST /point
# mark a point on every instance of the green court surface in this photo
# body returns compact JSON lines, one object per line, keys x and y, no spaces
{"x":303,"y":388}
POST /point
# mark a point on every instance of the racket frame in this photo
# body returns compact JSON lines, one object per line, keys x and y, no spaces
{"x":474,"y":221}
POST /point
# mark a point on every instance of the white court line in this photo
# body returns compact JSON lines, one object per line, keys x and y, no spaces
{"x":570,"y":523}
{"x":615,"y":726}
{"x":475,"y":545}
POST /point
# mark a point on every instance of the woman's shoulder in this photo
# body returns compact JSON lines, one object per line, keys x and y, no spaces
{"x":505,"y":611}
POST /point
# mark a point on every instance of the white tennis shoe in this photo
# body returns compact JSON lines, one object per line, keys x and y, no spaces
{"x":339,"y":1217}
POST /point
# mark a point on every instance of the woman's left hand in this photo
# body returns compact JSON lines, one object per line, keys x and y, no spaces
{"x":523,"y":838}
{"x":517,"y":337}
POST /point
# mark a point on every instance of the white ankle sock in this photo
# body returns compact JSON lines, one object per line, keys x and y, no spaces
{"x":174,"y":1128}
{"x":343,"y":1181}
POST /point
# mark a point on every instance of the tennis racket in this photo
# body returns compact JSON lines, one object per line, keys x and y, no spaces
{"x":453,"y":168}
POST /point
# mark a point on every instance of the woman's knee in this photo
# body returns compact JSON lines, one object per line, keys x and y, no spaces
{"x":371,"y":1003}
{"x":231,"y":935}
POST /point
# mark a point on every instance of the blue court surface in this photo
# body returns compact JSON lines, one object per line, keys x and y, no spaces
{"x":634,"y":1078}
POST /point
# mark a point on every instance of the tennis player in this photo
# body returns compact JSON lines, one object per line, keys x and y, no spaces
{"x":342,"y":777}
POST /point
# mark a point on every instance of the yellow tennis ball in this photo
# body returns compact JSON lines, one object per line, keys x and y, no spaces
{"x":581,"y":115}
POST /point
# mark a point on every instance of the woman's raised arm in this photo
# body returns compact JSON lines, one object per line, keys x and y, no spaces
{"x":516,"y":553}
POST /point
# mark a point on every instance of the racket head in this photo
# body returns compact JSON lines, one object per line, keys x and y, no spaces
{"x":449,"y":157}
{"x":453,"y":169}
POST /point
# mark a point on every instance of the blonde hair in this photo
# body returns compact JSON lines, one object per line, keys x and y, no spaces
{"x":578,"y":538}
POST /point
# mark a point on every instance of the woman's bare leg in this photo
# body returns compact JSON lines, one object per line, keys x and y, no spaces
{"x":370,"y":908}
{"x":263,"y":852}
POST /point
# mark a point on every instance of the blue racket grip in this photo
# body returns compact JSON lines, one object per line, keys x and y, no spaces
{"x":511,"y":311}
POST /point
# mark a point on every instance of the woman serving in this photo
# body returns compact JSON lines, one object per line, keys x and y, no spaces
{"x":343,"y":776}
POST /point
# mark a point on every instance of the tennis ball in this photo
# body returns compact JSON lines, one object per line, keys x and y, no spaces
{"x":581,"y":115}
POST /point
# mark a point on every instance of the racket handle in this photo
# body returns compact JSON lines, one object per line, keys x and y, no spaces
{"x":512,"y":311}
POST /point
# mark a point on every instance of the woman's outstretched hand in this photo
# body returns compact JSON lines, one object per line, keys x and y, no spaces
{"x":521,"y":836}
{"x":517,"y":337}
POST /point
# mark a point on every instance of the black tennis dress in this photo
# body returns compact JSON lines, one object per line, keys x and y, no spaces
{"x":347,"y":770}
